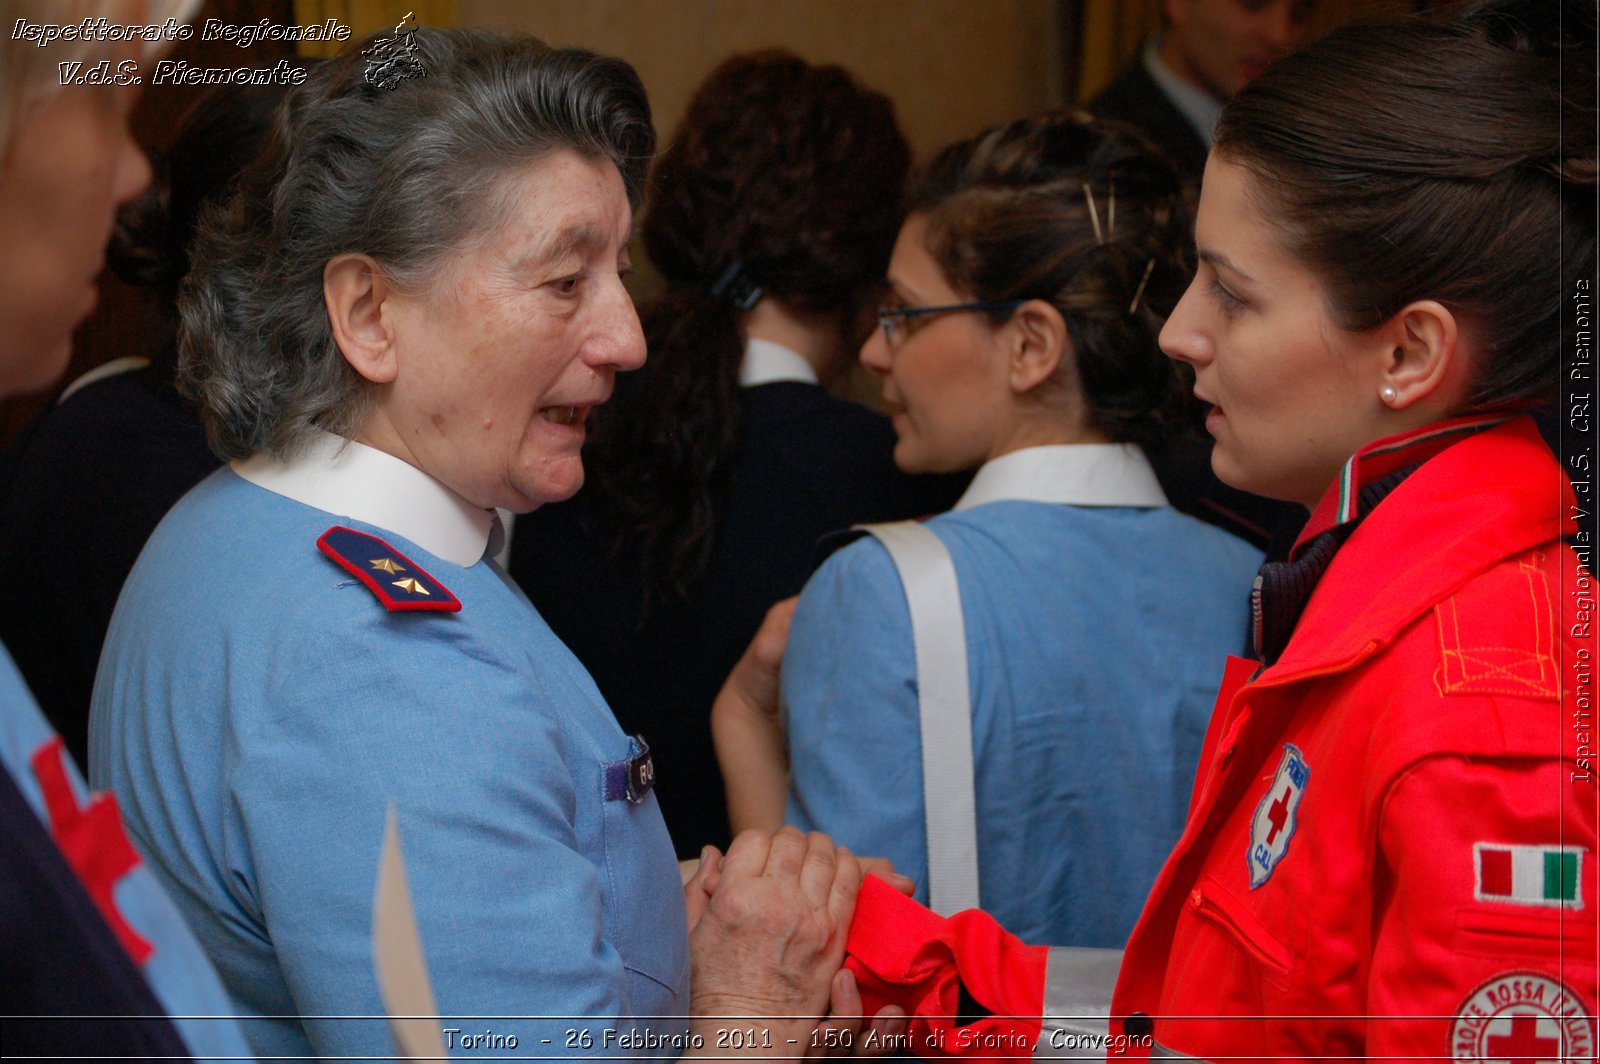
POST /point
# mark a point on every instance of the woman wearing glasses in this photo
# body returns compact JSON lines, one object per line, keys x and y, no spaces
{"x":1028,"y":284}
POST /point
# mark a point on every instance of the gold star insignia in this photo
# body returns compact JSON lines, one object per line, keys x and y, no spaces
{"x":408,"y":584}
{"x":387,"y":565}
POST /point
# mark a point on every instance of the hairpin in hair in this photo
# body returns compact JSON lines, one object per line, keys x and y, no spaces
{"x":1111,"y":210}
{"x":1138,"y":293}
{"x":1094,"y":215}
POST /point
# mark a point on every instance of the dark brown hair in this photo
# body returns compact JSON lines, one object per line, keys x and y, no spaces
{"x":216,"y":139}
{"x":1448,"y":159}
{"x":1086,"y":215}
{"x":795,"y":172}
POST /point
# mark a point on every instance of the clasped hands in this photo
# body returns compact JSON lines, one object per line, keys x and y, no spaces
{"x":767,"y":929}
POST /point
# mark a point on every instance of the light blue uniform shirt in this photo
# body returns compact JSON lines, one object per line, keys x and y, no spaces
{"x":257,"y":709}
{"x":176,"y":969}
{"x":1096,"y":634}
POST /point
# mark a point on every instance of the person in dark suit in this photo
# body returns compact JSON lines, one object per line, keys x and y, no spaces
{"x":718,"y":466}
{"x":1174,"y":91}
{"x":1208,"y":50}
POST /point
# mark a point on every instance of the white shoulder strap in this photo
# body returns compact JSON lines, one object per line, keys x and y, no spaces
{"x":939,"y":633}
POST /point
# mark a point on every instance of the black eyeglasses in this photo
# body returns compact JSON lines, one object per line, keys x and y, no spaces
{"x":895,"y":321}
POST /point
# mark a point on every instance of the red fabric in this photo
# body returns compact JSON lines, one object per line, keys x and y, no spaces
{"x":905,"y":954}
{"x":92,"y":840}
{"x":1496,"y":872}
{"x":1432,"y":688}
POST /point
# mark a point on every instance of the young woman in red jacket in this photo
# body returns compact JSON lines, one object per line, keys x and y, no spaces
{"x":1390,"y":848}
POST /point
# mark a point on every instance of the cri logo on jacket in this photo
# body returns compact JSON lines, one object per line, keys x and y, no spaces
{"x":1522,"y":1015}
{"x":1273,"y":825}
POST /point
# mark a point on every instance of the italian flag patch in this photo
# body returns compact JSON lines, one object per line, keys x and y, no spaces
{"x":1547,"y":876}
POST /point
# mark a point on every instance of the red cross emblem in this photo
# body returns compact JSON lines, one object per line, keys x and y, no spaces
{"x":1523,"y":1017}
{"x":92,"y":840}
{"x":1274,"y":821}
{"x":1523,"y":1045}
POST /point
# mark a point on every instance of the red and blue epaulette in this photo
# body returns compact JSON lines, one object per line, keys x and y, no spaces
{"x":400,"y":583}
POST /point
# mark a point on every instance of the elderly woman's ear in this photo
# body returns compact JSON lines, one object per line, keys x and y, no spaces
{"x":1037,"y":343}
{"x":356,"y":293}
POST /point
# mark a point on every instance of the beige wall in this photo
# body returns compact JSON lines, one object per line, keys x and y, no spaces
{"x":952,"y":67}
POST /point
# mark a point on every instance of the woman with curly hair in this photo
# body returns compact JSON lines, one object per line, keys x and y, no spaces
{"x":1027,"y":291}
{"x":718,"y":466}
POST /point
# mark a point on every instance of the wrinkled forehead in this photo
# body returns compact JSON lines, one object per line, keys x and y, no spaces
{"x":562,"y":206}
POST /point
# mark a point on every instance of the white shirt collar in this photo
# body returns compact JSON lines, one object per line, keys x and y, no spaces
{"x":353,"y":480}
{"x":1200,"y":107}
{"x":1078,"y":474}
{"x":117,"y":366}
{"x":768,"y":363}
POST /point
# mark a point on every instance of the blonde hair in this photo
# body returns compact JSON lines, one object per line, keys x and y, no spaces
{"x":29,"y":71}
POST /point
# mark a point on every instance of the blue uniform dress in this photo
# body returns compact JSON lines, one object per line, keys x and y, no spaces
{"x":172,"y":962}
{"x":258,"y":708}
{"x":1097,"y":619}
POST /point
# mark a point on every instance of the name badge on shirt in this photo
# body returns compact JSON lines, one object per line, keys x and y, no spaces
{"x":631,"y":778}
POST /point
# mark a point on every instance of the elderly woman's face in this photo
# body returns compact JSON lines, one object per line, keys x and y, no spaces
{"x":69,"y":165}
{"x":500,"y":364}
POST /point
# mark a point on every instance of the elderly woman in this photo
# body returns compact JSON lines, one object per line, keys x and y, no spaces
{"x":719,"y":466}
{"x":85,"y":929}
{"x":403,"y":320}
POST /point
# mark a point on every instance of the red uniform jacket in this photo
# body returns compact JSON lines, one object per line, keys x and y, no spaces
{"x":1390,"y":850}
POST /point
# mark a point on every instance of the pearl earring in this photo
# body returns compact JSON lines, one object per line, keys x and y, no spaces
{"x":1389,"y":394}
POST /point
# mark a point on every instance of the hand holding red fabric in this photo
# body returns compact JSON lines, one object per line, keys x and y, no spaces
{"x":969,"y":987}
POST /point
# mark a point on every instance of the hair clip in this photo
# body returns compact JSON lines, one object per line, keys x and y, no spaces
{"x":1094,"y":215}
{"x":1111,"y":210}
{"x":1138,"y":293}
{"x":736,"y":286}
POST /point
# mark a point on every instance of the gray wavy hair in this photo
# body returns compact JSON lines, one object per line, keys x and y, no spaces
{"x":404,"y":175}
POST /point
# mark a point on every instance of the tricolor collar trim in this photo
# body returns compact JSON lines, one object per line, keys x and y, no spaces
{"x":1077,"y":474}
{"x":349,"y":479}
{"x":1380,"y":458}
{"x":768,"y":363}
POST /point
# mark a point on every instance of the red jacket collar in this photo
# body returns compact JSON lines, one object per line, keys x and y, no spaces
{"x":1380,"y":458}
{"x":1478,"y":500}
